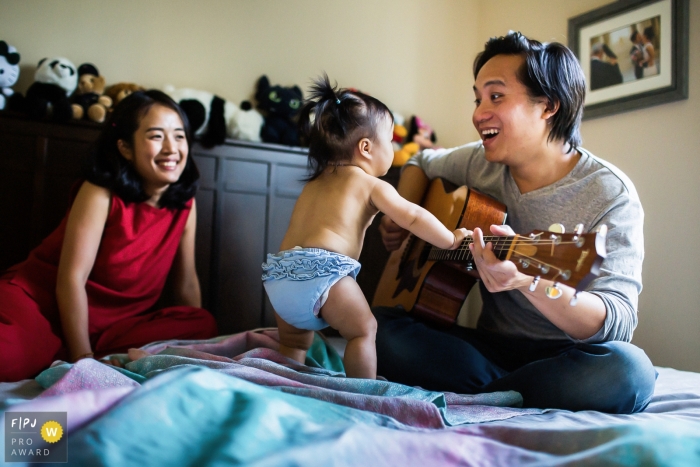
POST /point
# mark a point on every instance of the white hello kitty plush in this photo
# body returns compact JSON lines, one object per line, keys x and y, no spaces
{"x":9,"y":71}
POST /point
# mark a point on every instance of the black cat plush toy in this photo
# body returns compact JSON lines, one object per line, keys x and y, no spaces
{"x":280,"y":106}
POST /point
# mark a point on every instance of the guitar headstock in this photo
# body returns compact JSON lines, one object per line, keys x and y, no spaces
{"x":572,"y":259}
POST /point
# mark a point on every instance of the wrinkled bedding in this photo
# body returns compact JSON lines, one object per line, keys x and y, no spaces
{"x":235,"y":400}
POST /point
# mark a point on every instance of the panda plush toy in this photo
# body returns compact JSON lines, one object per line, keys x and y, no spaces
{"x":280,"y":105}
{"x":9,"y":72}
{"x":213,"y":118}
{"x":48,"y":97}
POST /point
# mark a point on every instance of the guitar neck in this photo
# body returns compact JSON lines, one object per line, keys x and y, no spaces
{"x":501,"y":246}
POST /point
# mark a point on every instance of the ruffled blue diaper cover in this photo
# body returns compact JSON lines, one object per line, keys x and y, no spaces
{"x":297,"y":282}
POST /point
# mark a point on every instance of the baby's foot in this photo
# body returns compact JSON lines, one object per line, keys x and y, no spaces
{"x":135,"y":354}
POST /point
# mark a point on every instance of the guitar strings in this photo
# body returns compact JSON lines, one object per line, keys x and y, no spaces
{"x":497,"y":240}
{"x":458,"y":253}
{"x":536,"y":263}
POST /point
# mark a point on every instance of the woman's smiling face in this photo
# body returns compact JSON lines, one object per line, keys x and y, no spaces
{"x":159,"y":151}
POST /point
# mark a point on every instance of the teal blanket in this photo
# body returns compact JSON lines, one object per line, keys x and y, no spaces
{"x":236,"y":401}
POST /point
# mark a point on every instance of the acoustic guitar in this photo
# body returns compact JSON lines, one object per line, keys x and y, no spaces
{"x":433,"y":283}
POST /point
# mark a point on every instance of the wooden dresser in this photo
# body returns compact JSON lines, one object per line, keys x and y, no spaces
{"x":246,"y":196}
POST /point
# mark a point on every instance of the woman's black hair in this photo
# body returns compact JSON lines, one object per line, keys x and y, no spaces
{"x":649,"y":33}
{"x":549,"y":70}
{"x":333,"y":120}
{"x":106,"y":167}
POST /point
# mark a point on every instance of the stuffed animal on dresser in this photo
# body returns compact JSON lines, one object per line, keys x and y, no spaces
{"x":89,"y":99}
{"x":421,"y":133}
{"x":55,"y":80}
{"x":119,"y":91}
{"x":9,"y":72}
{"x":280,"y":106}
{"x":213,"y":118}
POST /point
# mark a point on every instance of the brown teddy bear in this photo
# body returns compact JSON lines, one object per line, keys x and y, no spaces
{"x":88,"y":99}
{"x":119,"y":91}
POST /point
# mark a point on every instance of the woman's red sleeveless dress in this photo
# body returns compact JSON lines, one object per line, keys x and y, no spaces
{"x":136,"y":253}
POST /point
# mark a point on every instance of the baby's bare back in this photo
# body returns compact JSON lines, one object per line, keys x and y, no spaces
{"x":333,"y":212}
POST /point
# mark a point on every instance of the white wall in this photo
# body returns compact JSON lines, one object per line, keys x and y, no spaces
{"x":416,"y":56}
{"x":411,"y":54}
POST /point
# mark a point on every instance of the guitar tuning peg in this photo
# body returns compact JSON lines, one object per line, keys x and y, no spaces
{"x":602,"y":229}
{"x":553,"y":291}
{"x":557,"y":228}
{"x":533,"y":286}
{"x":574,"y":299}
{"x":579,"y":241}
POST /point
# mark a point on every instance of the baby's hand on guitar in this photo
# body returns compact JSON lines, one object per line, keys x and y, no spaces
{"x":460,"y":235}
{"x":502,"y":230}
{"x":392,"y":234}
{"x":495,"y":274}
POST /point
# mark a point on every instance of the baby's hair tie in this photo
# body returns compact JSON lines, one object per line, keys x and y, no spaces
{"x":337,"y":101}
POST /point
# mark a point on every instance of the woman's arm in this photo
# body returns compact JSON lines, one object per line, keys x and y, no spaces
{"x":185,"y":281}
{"x":651,"y":55}
{"x":86,"y":222}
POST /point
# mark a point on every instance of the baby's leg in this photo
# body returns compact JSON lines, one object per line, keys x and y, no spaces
{"x":293,"y":342}
{"x":347,"y":311}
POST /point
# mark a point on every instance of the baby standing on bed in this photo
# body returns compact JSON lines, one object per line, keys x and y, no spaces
{"x":90,"y":288}
{"x":311,"y":281}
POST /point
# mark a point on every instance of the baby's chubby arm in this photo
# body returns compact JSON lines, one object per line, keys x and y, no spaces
{"x":414,"y":218}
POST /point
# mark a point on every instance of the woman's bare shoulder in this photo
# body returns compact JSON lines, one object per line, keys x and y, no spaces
{"x":90,"y":190}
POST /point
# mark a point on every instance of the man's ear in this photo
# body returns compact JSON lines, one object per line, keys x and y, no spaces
{"x":125,"y":150}
{"x":551,"y":108}
{"x":365,"y":148}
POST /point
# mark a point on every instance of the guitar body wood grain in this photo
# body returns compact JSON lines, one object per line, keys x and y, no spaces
{"x":435,"y":291}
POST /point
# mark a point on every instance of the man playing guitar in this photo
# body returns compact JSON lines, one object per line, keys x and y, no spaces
{"x":531,"y":336}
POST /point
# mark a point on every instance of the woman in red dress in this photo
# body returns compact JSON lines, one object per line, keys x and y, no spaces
{"x":89,"y":289}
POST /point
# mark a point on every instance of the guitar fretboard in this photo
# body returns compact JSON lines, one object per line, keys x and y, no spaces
{"x":501,"y":245}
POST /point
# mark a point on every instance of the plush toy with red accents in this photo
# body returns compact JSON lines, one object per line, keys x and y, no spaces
{"x":421,"y":133}
{"x":419,"y":136}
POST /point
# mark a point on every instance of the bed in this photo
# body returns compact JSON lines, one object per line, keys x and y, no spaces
{"x":235,"y":400}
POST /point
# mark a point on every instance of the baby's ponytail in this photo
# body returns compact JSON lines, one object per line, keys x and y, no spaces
{"x":333,"y":120}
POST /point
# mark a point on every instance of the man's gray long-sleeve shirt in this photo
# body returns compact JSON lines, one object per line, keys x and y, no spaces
{"x":594,"y":193}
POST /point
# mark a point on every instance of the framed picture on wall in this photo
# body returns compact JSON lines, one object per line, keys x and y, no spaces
{"x":634,"y":54}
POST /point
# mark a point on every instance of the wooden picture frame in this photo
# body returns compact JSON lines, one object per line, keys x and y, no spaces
{"x":634,"y":54}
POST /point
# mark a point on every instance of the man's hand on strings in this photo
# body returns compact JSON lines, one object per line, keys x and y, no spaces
{"x":496,"y":275}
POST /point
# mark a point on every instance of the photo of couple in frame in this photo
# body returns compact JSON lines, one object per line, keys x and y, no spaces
{"x":634,"y":54}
